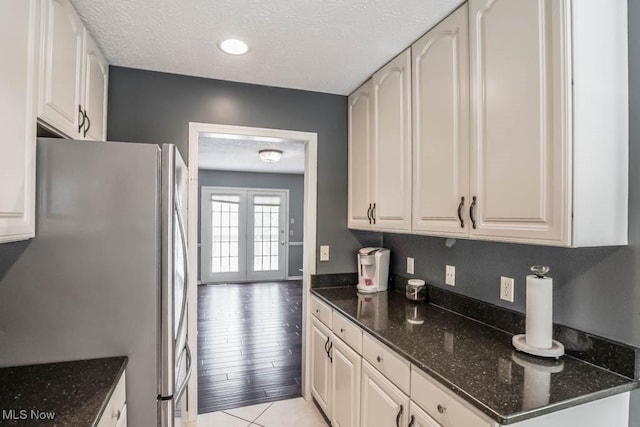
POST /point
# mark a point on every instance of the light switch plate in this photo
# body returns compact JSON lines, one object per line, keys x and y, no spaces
{"x":409,"y":265}
{"x":324,"y":253}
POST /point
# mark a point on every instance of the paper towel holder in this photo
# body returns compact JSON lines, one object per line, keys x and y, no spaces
{"x":556,"y":349}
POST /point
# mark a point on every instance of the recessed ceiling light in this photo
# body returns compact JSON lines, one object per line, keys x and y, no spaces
{"x":233,"y":47}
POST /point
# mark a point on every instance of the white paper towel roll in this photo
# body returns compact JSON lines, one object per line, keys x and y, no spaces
{"x":539,"y":322}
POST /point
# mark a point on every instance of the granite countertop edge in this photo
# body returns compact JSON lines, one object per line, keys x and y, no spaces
{"x":114,"y":384}
{"x":72,"y":389}
{"x":496,"y":416}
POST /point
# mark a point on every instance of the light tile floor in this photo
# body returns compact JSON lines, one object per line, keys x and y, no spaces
{"x":285,"y":413}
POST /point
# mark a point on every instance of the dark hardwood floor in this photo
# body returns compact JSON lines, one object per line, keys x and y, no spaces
{"x":249,"y":344}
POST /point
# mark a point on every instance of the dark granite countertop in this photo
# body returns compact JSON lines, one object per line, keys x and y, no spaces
{"x":75,"y":393}
{"x":475,"y":361}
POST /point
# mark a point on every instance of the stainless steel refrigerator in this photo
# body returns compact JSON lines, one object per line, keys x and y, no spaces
{"x":106,"y":274}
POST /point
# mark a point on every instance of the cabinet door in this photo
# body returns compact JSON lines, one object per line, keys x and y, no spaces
{"x":419,"y":418}
{"x":95,"y":91}
{"x":391,"y":172}
{"x":321,"y":365}
{"x":441,"y":128}
{"x":345,"y":380}
{"x":61,"y":82}
{"x":383,"y":404}
{"x":360,"y":157}
{"x":520,"y":149}
{"x":18,"y":36}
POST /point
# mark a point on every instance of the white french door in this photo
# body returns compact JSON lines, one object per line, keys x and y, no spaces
{"x":243,"y":234}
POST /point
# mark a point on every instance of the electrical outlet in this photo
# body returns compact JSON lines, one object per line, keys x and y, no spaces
{"x":324,"y":253}
{"x":409,"y":265}
{"x":506,"y":288}
{"x":450,"y":275}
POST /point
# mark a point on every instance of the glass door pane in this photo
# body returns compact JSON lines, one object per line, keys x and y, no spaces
{"x":223,"y":235}
{"x":268,"y":225}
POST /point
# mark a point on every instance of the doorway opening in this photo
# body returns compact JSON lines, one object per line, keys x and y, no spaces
{"x":255,"y":255}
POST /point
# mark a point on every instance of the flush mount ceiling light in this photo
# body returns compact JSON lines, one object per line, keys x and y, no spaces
{"x":233,"y":47}
{"x":270,"y":155}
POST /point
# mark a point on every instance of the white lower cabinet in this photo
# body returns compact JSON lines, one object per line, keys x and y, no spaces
{"x":321,"y":365}
{"x":444,"y":407}
{"x":346,"y":374}
{"x":419,"y":418}
{"x":382,"y":404}
{"x":115,"y":414}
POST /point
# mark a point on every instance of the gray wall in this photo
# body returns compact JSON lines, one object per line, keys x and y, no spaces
{"x":146,"y":106}
{"x":292,"y":182}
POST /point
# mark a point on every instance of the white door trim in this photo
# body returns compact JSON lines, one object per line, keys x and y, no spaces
{"x":310,"y":140}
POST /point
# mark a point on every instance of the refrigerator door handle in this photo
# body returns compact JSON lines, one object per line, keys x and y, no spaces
{"x":181,"y":389}
{"x":185,"y":258}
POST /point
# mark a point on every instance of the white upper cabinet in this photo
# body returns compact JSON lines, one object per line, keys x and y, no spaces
{"x":360,"y":157}
{"x":519,"y":154}
{"x":96,"y":86}
{"x":391,"y":140}
{"x":61,"y":78}
{"x":548,"y":160}
{"x":440,"y":93}
{"x":73,"y":75}
{"x":520,"y":128}
{"x":18,"y":53}
{"x":380,"y":149}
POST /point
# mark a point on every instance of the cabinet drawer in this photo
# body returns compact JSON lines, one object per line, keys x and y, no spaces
{"x":441,"y":404}
{"x":387,"y":361}
{"x":321,"y":311}
{"x":116,"y":407}
{"x":347,"y":331}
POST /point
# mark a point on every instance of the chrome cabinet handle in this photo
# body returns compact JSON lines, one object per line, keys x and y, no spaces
{"x":116,"y":415}
{"x":373,"y":213}
{"x":441,"y":409}
{"x":81,"y":116}
{"x":473,"y":219}
{"x":460,"y":207}
{"x":412,"y":422}
{"x":369,"y":213}
{"x":399,"y":415}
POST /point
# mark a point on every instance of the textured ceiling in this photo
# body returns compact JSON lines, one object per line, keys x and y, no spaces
{"x":237,"y":153}
{"x":319,"y":45}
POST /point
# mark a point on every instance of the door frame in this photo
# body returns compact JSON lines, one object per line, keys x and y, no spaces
{"x":248,"y":231}
{"x":310,"y":140}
